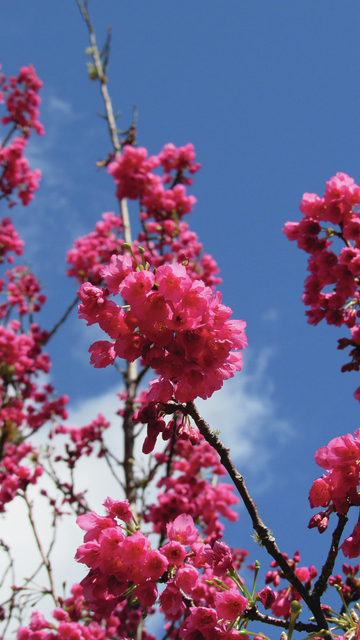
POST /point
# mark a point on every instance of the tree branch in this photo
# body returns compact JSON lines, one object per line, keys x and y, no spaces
{"x":266,"y":538}
{"x":322,"y":582}
{"x":62,"y":319}
{"x":46,"y":559}
{"x":254,"y":615}
{"x":109,"y":110}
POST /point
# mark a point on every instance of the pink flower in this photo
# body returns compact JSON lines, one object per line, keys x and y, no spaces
{"x":267,"y":597}
{"x":351,"y":546}
{"x":102,"y":354}
{"x":116,"y":272}
{"x":173,"y":281}
{"x":93,"y":524}
{"x":146,"y":593}
{"x":134,"y":547}
{"x":89,"y":554}
{"x":230,"y":604}
{"x":281,"y":606}
{"x":136,"y":286}
{"x":154,"y":564}
{"x":171,"y":601}
{"x":219,"y":558}
{"x":186,"y":578}
{"x":340,"y":450}
{"x":118,"y":509}
{"x":175,"y":553}
{"x":183,"y":530}
{"x":202,"y":618}
{"x":320,"y":492}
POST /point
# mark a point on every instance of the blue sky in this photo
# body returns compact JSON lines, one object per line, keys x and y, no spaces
{"x":269,"y":94}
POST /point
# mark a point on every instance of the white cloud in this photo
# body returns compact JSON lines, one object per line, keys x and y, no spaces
{"x":59,"y":105}
{"x":271,"y":315}
{"x":246,"y":415}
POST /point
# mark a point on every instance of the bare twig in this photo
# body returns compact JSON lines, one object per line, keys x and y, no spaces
{"x":62,"y":319}
{"x":112,"y":470}
{"x":82,"y":505}
{"x":254,"y":615}
{"x":108,"y":107}
{"x":45,"y":558}
{"x":12,"y":597}
{"x":8,"y":135}
{"x":322,"y":582}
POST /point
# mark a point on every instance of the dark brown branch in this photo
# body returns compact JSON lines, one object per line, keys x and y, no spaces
{"x":255,"y":616}
{"x":264,"y":534}
{"x":326,"y":571}
{"x":62,"y":319}
{"x":142,"y":373}
{"x":129,"y":436}
{"x":8,"y":135}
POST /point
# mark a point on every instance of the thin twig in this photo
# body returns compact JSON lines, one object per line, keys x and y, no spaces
{"x":254,"y":615}
{"x":142,"y":373}
{"x":8,"y":135}
{"x":322,"y":582}
{"x":46,"y":559}
{"x":112,"y":470}
{"x":102,"y":78}
{"x":109,"y":110}
{"x":12,"y":598}
{"x":82,"y":505}
{"x":62,"y":319}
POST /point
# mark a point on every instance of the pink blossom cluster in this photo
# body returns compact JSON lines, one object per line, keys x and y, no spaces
{"x":74,"y":621}
{"x":84,"y":438}
{"x":40,"y":629}
{"x":166,"y":238}
{"x":280,"y":601}
{"x":337,"y":490}
{"x":25,"y":411}
{"x":350,"y":589}
{"x":24,"y":406}
{"x":23,"y":292}
{"x":123,"y":565}
{"x":132,"y":172}
{"x":20,"y":353}
{"x":21,"y":97}
{"x":175,"y":324}
{"x":189,"y":489}
{"x":332,"y":289}
{"x":327,"y":268}
{"x":179,"y":160}
{"x":15,"y":477}
{"x":117,"y":560}
{"x":42,"y":408}
{"x":9,"y":240}
{"x":91,"y":252}
{"x":22,"y":100}
{"x":15,"y":172}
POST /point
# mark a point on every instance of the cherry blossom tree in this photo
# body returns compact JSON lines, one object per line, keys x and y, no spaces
{"x":156,"y":299}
